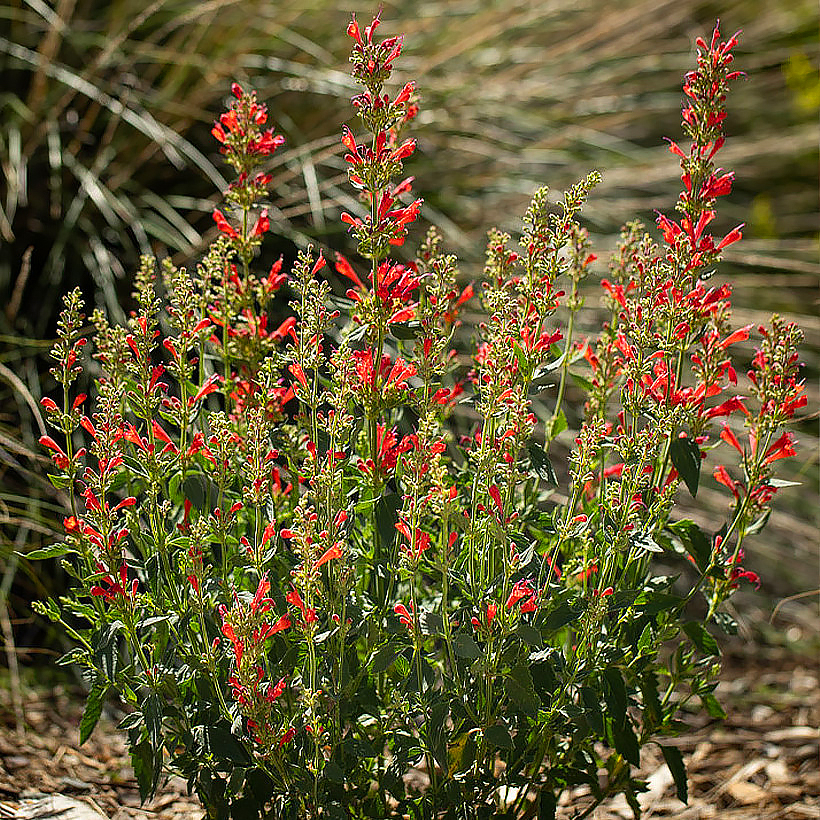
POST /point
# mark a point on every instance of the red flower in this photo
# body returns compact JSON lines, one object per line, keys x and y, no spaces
{"x":404,"y":616}
{"x":223,"y":225}
{"x":308,"y":614}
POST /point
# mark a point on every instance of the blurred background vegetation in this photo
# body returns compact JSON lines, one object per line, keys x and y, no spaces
{"x":106,"y":152}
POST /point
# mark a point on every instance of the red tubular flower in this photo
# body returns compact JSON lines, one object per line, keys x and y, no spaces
{"x":60,"y":457}
{"x":308,"y":614}
{"x":731,"y":405}
{"x":260,"y":602}
{"x":782,"y":448}
{"x":211,"y":386}
{"x":521,"y":589}
{"x":404,"y":615}
{"x":223,"y":224}
{"x":332,"y":552}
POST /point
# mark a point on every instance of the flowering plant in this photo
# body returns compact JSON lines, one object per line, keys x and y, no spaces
{"x":329,"y":566}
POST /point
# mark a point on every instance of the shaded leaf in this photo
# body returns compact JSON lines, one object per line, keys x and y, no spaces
{"x":498,"y":736}
{"x":674,"y":760}
{"x":701,"y":637}
{"x":685,"y":455}
{"x":694,"y":541}
{"x":465,"y":647}
{"x":541,"y":463}
{"x":93,"y":708}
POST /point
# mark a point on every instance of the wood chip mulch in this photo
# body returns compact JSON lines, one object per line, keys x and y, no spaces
{"x":761,"y":763}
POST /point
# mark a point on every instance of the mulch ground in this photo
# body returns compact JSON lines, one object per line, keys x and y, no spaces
{"x":761,"y":763}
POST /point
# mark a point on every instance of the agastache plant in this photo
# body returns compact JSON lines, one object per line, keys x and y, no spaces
{"x":330,"y":569}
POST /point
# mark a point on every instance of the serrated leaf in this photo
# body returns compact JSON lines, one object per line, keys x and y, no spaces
{"x":147,"y":774}
{"x":196,"y":489}
{"x":615,"y":694}
{"x":625,"y":741}
{"x":585,"y":384}
{"x":547,"y":805}
{"x":387,"y":507}
{"x":565,"y":613}
{"x":685,"y":455}
{"x":557,"y":425}
{"x":592,"y":710}
{"x":521,"y":357}
{"x":60,"y":482}
{"x":465,"y":647}
{"x":701,"y":637}
{"x":93,"y":709}
{"x":674,"y":760}
{"x":530,"y":635}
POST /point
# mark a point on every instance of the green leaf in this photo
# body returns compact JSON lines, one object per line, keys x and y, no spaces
{"x":625,"y":741}
{"x":384,"y":658}
{"x":565,"y":613}
{"x":530,"y":635}
{"x":387,"y":507}
{"x":51,"y":551}
{"x":592,"y":710}
{"x":547,"y":805}
{"x":104,"y":645}
{"x":244,"y":808}
{"x":498,"y":737}
{"x":557,"y":425}
{"x":685,"y":455}
{"x":615,"y":694}
{"x":147,"y":773}
{"x":465,"y":647}
{"x":701,"y":638}
{"x":521,"y":357}
{"x":674,"y":760}
{"x":644,"y":541}
{"x":333,"y":772}
{"x":199,"y":490}
{"x":541,"y":463}
{"x":219,"y":741}
{"x":759,"y":523}
{"x":431,"y":623}
{"x":713,"y":708}
{"x":405,"y":331}
{"x":60,"y":482}
{"x":520,"y":690}
{"x":585,"y":384}
{"x":152,"y":712}
{"x":694,"y":541}
{"x":93,"y":708}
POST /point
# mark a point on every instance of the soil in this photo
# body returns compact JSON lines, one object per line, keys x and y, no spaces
{"x":761,"y":763}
